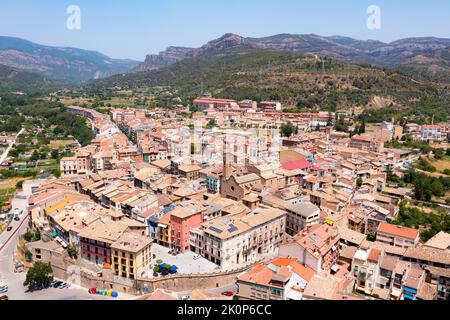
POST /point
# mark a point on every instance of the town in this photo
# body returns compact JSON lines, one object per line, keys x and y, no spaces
{"x":238,"y":201}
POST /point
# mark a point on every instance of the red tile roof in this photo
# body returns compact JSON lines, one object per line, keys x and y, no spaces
{"x":398,"y":231}
{"x":299,"y":164}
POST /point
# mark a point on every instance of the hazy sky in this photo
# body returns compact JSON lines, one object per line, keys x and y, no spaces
{"x":134,"y":28}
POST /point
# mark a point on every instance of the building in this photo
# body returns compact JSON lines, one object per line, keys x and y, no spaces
{"x":131,"y":255}
{"x":279,"y":279}
{"x":237,"y":187}
{"x":182,"y":219}
{"x":234,"y":240}
{"x":440,"y":241}
{"x":397,"y":236}
{"x":205,"y":103}
{"x":366,"y":143}
{"x":316,"y":246}
{"x":301,"y":216}
{"x":269,"y":106}
{"x":68,"y":166}
{"x":432,"y":133}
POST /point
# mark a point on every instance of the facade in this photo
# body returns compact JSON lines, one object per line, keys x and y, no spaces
{"x":397,"y":236}
{"x":231,"y":241}
{"x":432,"y":133}
{"x":301,"y":216}
{"x":131,"y":255}
{"x":182,"y":219}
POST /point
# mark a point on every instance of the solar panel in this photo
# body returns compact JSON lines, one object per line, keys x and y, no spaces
{"x":232,"y":228}
{"x":215,"y":229}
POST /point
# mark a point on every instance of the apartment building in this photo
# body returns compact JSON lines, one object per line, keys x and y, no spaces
{"x":68,"y":166}
{"x":131,"y":255}
{"x":205,"y":103}
{"x":397,"y":236}
{"x":301,"y":216}
{"x":182,"y":219}
{"x":432,"y":133}
{"x":366,"y":143}
{"x":234,"y":240}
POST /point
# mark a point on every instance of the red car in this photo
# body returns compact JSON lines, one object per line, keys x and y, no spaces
{"x":228,"y":293}
{"x":92,"y":291}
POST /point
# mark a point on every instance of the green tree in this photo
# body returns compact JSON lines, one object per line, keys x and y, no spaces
{"x":287,"y":129}
{"x":39,"y":276}
{"x":359,"y":182}
{"x":54,"y":154}
{"x":72,"y":251}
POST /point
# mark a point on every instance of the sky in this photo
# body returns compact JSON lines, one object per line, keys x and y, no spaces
{"x":134,"y":28}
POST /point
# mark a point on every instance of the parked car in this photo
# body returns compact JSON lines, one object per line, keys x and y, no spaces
{"x":3,"y":288}
{"x":57,"y":284}
{"x":92,"y":291}
{"x":228,"y":293}
{"x":4,"y":297}
{"x":9,"y":229}
{"x":197,"y":256}
{"x":185,"y":297}
{"x":64,"y":285}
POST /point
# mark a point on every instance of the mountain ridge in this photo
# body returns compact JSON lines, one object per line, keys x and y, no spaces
{"x":392,"y":54}
{"x":66,"y":64}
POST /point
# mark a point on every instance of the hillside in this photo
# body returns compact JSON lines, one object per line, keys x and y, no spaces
{"x":66,"y":64}
{"x":395,"y":54}
{"x":18,"y":80}
{"x":299,"y":81}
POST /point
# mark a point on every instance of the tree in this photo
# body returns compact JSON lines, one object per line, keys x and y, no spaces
{"x":72,"y":251}
{"x":362,"y":127}
{"x":359,"y":182}
{"x":56,"y":173}
{"x":55,"y":154}
{"x":287,"y":130}
{"x":39,"y":276}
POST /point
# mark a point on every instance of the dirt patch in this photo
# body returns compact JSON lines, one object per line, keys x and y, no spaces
{"x":10,"y":183}
{"x":61,"y":143}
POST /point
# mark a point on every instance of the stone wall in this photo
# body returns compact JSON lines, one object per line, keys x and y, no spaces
{"x":65,"y":269}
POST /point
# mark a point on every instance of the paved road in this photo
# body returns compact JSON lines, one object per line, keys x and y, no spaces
{"x":6,"y":152}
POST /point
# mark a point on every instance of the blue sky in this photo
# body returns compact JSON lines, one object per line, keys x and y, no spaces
{"x":134,"y":28}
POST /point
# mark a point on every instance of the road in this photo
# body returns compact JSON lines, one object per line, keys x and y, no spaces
{"x":6,"y":152}
{"x":16,"y":290}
